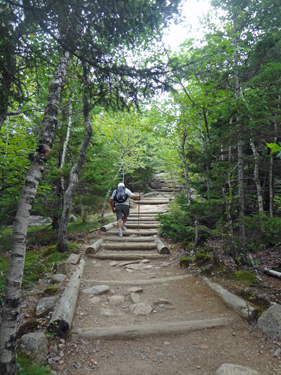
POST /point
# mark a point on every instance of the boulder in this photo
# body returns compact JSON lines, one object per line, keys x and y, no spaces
{"x":35,"y":344}
{"x":229,"y":369}
{"x":45,"y":305}
{"x":57,"y":278}
{"x":72,"y":219}
{"x":63,"y":268}
{"x":270,"y":322}
{"x":97,"y":290}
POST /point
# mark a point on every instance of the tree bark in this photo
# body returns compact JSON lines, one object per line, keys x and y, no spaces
{"x":271,"y":178}
{"x":185,"y":168}
{"x":69,"y":123}
{"x":257,"y":176}
{"x":74,"y":174}
{"x":230,"y":224}
{"x":242,"y":229}
{"x":15,"y":274}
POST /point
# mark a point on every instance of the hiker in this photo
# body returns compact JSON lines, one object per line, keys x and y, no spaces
{"x":119,"y":202}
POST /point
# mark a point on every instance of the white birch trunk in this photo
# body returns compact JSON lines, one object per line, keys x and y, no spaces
{"x":186,"y":172}
{"x":74,"y":174}
{"x":69,"y":123}
{"x":257,"y":176}
{"x":18,"y":249}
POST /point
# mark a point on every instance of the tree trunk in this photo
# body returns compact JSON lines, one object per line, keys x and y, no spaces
{"x":185,"y":168}
{"x":271,"y":178}
{"x":74,"y":174}
{"x":242,"y":229}
{"x":15,"y":274}
{"x":69,"y":123}
{"x":230,"y":224}
{"x":257,"y":177}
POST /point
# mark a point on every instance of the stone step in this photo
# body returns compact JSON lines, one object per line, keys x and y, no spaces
{"x":129,"y":246}
{"x":144,"y":330}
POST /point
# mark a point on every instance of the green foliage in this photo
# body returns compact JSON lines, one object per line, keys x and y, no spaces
{"x":244,"y":276}
{"x":179,"y":222}
{"x":25,"y":365}
{"x":262,"y":231}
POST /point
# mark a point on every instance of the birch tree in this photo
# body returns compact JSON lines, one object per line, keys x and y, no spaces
{"x":15,"y":273}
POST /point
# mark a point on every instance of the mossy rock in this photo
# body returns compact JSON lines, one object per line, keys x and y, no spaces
{"x":50,"y":291}
{"x":185,"y":261}
{"x":201,"y":258}
{"x":73,"y":247}
{"x":30,"y":326}
{"x":244,"y":276}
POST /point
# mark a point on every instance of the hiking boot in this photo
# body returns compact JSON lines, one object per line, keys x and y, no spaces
{"x":120,"y":235}
{"x":124,"y":228}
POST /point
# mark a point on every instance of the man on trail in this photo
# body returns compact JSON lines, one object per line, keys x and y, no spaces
{"x":119,"y":202}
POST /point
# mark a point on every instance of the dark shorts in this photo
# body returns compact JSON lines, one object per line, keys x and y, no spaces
{"x":122,"y":210}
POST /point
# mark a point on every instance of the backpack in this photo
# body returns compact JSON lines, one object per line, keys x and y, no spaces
{"x":121,"y":196}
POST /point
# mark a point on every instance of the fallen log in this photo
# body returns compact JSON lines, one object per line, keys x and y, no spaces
{"x":162,"y":249}
{"x":63,"y":315}
{"x":106,"y":227}
{"x":272,"y":273}
{"x":93,"y":249}
{"x":144,"y":330}
{"x":238,"y":304}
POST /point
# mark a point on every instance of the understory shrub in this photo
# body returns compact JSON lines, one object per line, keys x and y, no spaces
{"x":178,"y":224}
{"x":262,"y":229}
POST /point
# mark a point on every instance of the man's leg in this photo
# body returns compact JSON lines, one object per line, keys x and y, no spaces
{"x":119,"y":215}
{"x":126,"y":211}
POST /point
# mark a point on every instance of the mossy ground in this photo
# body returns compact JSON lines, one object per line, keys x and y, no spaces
{"x":244,"y":276}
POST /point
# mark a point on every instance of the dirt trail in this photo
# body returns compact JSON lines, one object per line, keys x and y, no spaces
{"x":163,"y":300}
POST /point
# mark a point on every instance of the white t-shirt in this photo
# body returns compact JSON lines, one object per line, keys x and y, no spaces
{"x":130,"y":195}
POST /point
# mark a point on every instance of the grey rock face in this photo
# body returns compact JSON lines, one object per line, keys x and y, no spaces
{"x":57,"y":278}
{"x":141,"y":308}
{"x":45,"y":305}
{"x":270,"y":322}
{"x":229,"y":369}
{"x":63,"y":268}
{"x":72,"y":219}
{"x":35,"y":344}
{"x":97,"y":290}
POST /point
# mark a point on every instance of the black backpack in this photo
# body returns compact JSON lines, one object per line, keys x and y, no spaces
{"x":121,"y":196}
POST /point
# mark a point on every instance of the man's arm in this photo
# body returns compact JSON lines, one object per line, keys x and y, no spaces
{"x":136,"y":197}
